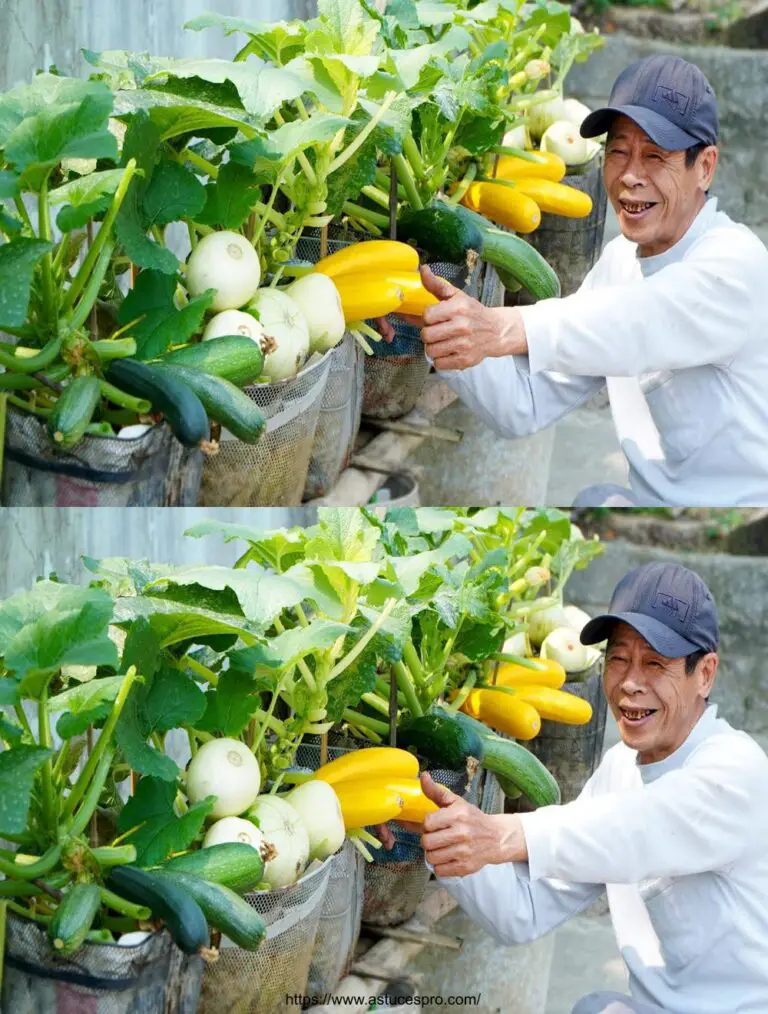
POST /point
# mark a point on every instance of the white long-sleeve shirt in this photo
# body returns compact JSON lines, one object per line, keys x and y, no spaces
{"x":680,"y":340}
{"x":682,"y":848}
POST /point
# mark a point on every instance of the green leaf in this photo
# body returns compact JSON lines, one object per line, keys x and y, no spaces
{"x":86,"y":189}
{"x":55,"y":625}
{"x":173,"y":699}
{"x":9,"y":692}
{"x":152,"y":299}
{"x":18,"y":767}
{"x":160,"y":832}
{"x":131,"y":231}
{"x":70,"y":725}
{"x":173,"y":115}
{"x":409,"y":570}
{"x":294,"y":137}
{"x":10,"y":184}
{"x":18,"y":260}
{"x":10,"y":732}
{"x":232,"y":705}
{"x":86,"y":696}
{"x":131,"y":737}
{"x":69,"y":218}
{"x":142,"y":648}
{"x":171,"y":619}
{"x":230,"y":198}
{"x":287,"y":648}
{"x":347,"y":689}
{"x":173,"y":193}
{"x":10,"y":224}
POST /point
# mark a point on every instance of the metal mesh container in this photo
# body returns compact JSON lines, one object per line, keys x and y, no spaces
{"x":98,"y":472}
{"x":267,"y":981}
{"x":339,"y":928}
{"x":273,"y":472}
{"x":339,"y":421}
{"x":148,"y":978}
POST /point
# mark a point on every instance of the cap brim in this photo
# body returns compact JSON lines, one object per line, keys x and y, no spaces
{"x":660,"y":130}
{"x":659,"y":636}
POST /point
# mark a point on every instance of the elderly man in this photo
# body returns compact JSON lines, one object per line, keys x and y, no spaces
{"x":673,"y":824}
{"x":672,"y":318}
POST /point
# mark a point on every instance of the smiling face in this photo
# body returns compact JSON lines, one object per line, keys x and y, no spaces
{"x":654,"y":194}
{"x":654,"y":701}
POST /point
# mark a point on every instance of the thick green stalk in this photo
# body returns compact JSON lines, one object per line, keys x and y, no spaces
{"x":464,"y":185}
{"x":199,"y":670}
{"x":26,"y":913}
{"x":377,"y":196}
{"x":50,"y":314}
{"x":114,"y":855}
{"x":463,"y":694}
{"x":31,"y":871}
{"x":23,"y":213}
{"x":104,"y":234}
{"x":360,"y":646}
{"x":405,"y":175}
{"x":118,"y":904}
{"x":104,"y":741}
{"x":412,"y":153}
{"x":406,"y":687}
{"x":138,"y":405}
{"x":46,"y":772}
{"x":200,"y":163}
{"x":365,"y":214}
{"x":108,"y":349}
{"x":365,"y":721}
{"x":383,"y":182}
{"x":30,"y":364}
{"x":91,"y":291}
{"x":377,"y":703}
{"x":91,"y":798}
{"x":3,"y":416}
{"x":412,"y":660}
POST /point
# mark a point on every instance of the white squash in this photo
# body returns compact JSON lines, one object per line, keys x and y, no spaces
{"x":234,"y":829}
{"x":563,"y":645}
{"x":227,"y":263}
{"x":282,"y":320}
{"x":226,"y":769}
{"x":563,"y":138}
{"x":283,"y":828}
{"x":318,"y":806}
{"x":318,"y":299}
{"x":234,"y":322}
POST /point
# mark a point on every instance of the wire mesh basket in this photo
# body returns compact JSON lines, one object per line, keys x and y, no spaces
{"x":271,"y":473}
{"x":267,"y":981}
{"x":97,"y":472}
{"x":151,"y":977}
{"x":339,"y":421}
{"x":339,"y":928}
{"x":396,"y":880}
{"x":396,"y":373}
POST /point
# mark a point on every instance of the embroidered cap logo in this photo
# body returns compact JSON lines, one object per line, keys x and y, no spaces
{"x":672,"y":604}
{"x":678,"y":101}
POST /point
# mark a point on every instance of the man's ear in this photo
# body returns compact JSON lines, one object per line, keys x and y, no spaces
{"x":706,"y":672}
{"x":707,"y":164}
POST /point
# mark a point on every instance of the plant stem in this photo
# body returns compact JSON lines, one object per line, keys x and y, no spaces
{"x":464,"y":185}
{"x":405,"y":685}
{"x":46,"y":773}
{"x":354,"y":718}
{"x":364,"y":134}
{"x":138,"y":405}
{"x":31,"y":364}
{"x":91,"y":290}
{"x":377,"y":196}
{"x":405,"y":175}
{"x":91,"y":797}
{"x":412,"y":660}
{"x":118,"y":904}
{"x":104,"y":234}
{"x":46,"y":265}
{"x":377,"y":703}
{"x":3,"y":415}
{"x":84,"y":780}
{"x":365,"y":214}
{"x":200,"y":670}
{"x":412,"y":153}
{"x":360,"y":646}
{"x":200,"y":163}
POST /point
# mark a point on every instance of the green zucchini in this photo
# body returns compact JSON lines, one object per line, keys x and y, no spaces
{"x":181,"y":406}
{"x":223,"y":402}
{"x":514,"y":258}
{"x":71,"y":922}
{"x":71,"y":415}
{"x":223,"y":909}
{"x":167,"y":901}
{"x":441,"y":232}
{"x":235,"y":358}
{"x":440,"y":739}
{"x":232,"y":864}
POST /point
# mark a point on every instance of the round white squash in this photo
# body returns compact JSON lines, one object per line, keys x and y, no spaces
{"x":226,"y":262}
{"x":318,"y":806}
{"x":283,"y":828}
{"x":563,"y":138}
{"x":236,"y":322}
{"x":563,"y":646}
{"x":318,"y":299}
{"x":234,"y":829}
{"x":226,"y":769}
{"x":282,"y":320}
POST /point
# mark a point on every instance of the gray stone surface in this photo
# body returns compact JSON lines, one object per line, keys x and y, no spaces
{"x":740,"y":589}
{"x":738,"y":78}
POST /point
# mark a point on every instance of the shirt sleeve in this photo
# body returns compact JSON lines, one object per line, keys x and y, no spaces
{"x":693,"y":312}
{"x":698,"y":818}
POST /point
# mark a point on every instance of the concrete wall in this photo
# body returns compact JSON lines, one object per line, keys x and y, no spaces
{"x":34,"y":541}
{"x":740,"y":80}
{"x":38,"y":33}
{"x":740,"y":589}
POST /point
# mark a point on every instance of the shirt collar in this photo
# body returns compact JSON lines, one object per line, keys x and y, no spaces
{"x":704,"y":728}
{"x":700,"y":224}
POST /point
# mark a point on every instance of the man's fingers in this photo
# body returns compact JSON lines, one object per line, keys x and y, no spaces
{"x":385,"y":328}
{"x":384,"y":833}
{"x":437,"y":793}
{"x":445,"y":332}
{"x":410,"y":825}
{"x":438,"y":286}
{"x":449,"y":363}
{"x":445,"y":837}
{"x":447,"y":310}
{"x":411,"y":318}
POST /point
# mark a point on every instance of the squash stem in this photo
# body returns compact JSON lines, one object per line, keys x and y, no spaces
{"x":412,"y":153}
{"x":360,"y":646}
{"x":464,"y":185}
{"x":406,"y":687}
{"x":3,"y":416}
{"x":200,"y":163}
{"x":138,"y":405}
{"x":50,"y":314}
{"x":365,"y":722}
{"x":200,"y":670}
{"x":365,"y":214}
{"x":405,"y":175}
{"x":46,"y":773}
{"x":123,"y":907}
{"x":363,"y":136}
{"x":377,"y":703}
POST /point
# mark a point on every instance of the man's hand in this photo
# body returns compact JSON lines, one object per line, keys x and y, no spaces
{"x":459,"y":331}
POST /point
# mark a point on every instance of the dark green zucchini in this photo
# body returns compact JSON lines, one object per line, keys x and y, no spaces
{"x":71,"y":415}
{"x":167,"y":901}
{"x":71,"y":922}
{"x":223,"y":909}
{"x":441,"y":232}
{"x":233,"y":864}
{"x":223,"y":402}
{"x":167,"y":394}
{"x":441,"y":740}
{"x":235,"y":358}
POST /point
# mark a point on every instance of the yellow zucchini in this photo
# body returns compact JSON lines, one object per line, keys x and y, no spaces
{"x":417,"y":298}
{"x":504,"y":205}
{"x":375,"y":762}
{"x":509,"y":674}
{"x":511,"y":167}
{"x":504,"y":712}
{"x":367,"y":802}
{"x":365,"y":295}
{"x":557,"y":705}
{"x":416,"y":805}
{"x":556,"y":198}
{"x":376,"y":255}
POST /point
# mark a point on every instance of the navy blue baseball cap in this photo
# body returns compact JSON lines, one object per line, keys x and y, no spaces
{"x":667,"y":604}
{"x":667,"y":97}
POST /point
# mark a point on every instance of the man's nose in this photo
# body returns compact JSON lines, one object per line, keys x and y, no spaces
{"x":633,"y":175}
{"x":633,"y":682}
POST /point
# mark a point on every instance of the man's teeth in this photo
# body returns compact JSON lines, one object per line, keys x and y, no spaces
{"x":635,"y":209}
{"x":636,"y":715}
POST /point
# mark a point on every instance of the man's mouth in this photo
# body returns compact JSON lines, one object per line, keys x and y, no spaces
{"x":635,"y":717}
{"x":636,"y":209}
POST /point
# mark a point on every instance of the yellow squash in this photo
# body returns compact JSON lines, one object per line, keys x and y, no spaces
{"x":509,"y":674}
{"x":375,"y":762}
{"x":368,"y":802}
{"x":417,"y":805}
{"x":556,"y":705}
{"x":375,"y":255}
{"x":417,"y":298}
{"x":504,"y":712}
{"x":365,"y":295}
{"x":504,"y":205}
{"x":556,"y":198}
{"x":511,"y":167}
